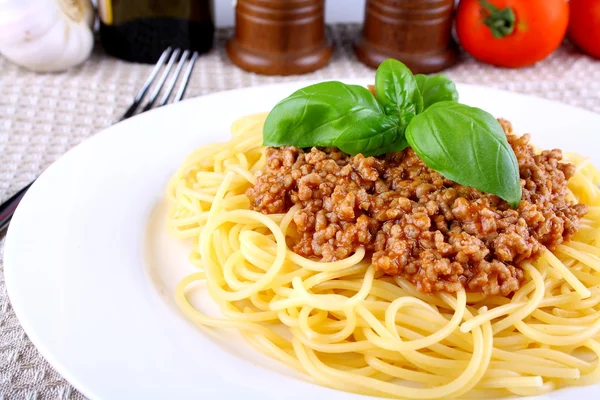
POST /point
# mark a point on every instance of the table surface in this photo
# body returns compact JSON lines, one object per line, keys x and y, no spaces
{"x":44,"y":115}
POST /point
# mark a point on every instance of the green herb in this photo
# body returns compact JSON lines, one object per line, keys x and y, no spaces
{"x":464,"y":144}
{"x":334,"y":114}
{"x":397,"y":91}
{"x":436,"y":88}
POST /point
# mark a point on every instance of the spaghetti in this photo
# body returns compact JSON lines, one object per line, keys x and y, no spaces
{"x":353,"y":328}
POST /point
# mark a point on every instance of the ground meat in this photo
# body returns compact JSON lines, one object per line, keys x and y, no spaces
{"x":415,"y":223}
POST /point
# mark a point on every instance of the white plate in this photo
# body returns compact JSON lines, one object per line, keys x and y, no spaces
{"x":90,"y":270}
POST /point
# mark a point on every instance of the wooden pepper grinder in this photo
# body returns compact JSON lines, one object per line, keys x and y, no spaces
{"x":279,"y":37}
{"x":415,"y":32}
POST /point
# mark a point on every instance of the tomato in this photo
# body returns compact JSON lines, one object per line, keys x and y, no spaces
{"x":584,"y":25}
{"x":511,"y":33}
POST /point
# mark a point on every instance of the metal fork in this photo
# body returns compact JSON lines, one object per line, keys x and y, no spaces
{"x":165,"y":63}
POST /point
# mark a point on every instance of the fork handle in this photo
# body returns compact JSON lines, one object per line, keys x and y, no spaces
{"x":7,"y":209}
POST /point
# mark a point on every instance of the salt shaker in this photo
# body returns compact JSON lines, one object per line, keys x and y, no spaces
{"x":279,"y":37}
{"x":415,"y":32}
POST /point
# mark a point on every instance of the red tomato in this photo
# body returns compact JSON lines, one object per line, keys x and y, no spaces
{"x":511,"y":33}
{"x":584,"y":25}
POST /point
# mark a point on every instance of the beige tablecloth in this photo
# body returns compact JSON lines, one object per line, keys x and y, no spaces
{"x":43,"y":116}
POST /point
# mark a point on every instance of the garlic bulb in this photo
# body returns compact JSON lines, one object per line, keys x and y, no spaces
{"x":46,"y":35}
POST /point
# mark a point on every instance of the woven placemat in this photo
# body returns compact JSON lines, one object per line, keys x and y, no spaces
{"x":44,"y":115}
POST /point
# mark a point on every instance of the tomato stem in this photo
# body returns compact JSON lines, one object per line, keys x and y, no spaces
{"x":500,"y":21}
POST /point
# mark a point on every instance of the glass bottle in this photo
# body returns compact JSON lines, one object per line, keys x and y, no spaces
{"x":139,"y":30}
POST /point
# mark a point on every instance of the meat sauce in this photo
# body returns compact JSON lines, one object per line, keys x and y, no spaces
{"x":415,"y":223}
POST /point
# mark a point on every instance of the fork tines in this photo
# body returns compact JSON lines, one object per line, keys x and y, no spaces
{"x":166,"y":61}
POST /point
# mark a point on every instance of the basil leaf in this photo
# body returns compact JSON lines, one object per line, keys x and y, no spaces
{"x":397,"y":91}
{"x":467,"y":145}
{"x":396,"y":146}
{"x":370,"y":142}
{"x":331,"y":114}
{"x":436,"y":88}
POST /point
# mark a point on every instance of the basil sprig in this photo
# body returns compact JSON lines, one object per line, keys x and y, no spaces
{"x":464,"y":144}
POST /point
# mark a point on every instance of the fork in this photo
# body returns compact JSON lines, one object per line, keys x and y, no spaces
{"x":166,"y":62}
